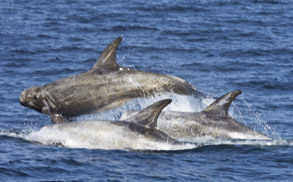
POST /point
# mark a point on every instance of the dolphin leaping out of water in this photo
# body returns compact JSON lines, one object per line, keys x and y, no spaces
{"x":105,"y":86}
{"x":213,"y":121}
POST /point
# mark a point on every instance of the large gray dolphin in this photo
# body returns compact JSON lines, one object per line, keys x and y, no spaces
{"x":213,"y":121}
{"x":104,"y":87}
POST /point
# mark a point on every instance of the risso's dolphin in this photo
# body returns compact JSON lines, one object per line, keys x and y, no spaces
{"x":213,"y":121}
{"x":104,"y":87}
{"x":139,"y":130}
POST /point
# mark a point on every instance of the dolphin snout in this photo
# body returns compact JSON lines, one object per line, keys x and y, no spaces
{"x":31,"y":98}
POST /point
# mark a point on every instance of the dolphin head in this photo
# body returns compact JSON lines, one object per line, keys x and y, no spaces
{"x":32,"y":98}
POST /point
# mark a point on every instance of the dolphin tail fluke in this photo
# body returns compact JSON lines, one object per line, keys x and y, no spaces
{"x":220,"y":107}
{"x":107,"y":60}
{"x":148,"y":117}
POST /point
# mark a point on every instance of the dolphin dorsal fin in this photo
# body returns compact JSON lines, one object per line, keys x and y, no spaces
{"x":107,"y":60}
{"x":148,"y":117}
{"x":220,"y":107}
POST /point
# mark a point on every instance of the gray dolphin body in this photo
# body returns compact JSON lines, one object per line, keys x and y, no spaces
{"x":213,"y":121}
{"x":104,"y":87}
{"x":140,"y":127}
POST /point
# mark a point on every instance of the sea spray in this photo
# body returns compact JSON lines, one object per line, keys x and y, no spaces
{"x":261,"y":124}
{"x":179,"y":103}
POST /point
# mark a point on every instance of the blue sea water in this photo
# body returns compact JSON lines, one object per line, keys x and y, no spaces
{"x":217,"y":45}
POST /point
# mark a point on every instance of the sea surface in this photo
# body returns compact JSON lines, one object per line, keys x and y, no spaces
{"x":216,"y":45}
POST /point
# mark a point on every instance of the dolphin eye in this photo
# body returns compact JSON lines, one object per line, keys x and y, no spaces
{"x":35,"y":96}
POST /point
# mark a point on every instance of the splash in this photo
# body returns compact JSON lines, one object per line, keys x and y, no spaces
{"x":99,"y":135}
{"x":210,"y":141}
{"x":179,"y":103}
{"x":261,"y":124}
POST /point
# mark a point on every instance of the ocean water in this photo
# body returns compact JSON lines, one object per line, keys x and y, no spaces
{"x":217,"y":45}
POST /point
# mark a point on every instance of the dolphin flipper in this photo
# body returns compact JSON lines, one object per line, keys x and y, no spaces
{"x":148,"y":117}
{"x":219,"y":108}
{"x":107,"y":60}
{"x":58,"y":118}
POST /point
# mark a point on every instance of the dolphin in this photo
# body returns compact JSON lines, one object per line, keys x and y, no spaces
{"x":105,"y":86}
{"x":136,"y":131}
{"x":213,"y":121}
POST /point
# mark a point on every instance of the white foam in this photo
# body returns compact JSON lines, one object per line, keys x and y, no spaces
{"x":251,"y":142}
{"x":211,"y":141}
{"x":99,"y":135}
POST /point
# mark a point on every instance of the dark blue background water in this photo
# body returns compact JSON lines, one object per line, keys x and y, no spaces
{"x":216,"y":45}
